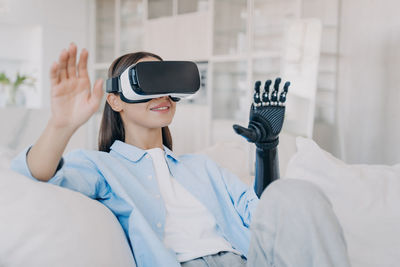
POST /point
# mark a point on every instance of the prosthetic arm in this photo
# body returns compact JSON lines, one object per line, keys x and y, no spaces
{"x":265,"y":123}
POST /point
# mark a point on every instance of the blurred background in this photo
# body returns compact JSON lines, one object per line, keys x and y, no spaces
{"x":342,"y":57}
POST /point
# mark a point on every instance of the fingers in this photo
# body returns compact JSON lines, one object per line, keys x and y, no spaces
{"x":286,"y":87}
{"x":277,"y":83}
{"x":257,"y":86}
{"x":66,"y":67}
{"x":256,"y":97}
{"x":97,"y":94}
{"x":249,"y":134}
{"x":268,"y":97}
{"x":82,"y":65}
{"x":62,"y":65}
{"x":282,"y":97}
{"x":54,"y":78}
{"x":274,"y":95}
{"x":265,"y":95}
{"x":267,"y":86}
{"x":71,"y":65}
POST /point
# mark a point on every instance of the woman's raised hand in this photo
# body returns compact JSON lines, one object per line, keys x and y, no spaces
{"x":72,"y":100}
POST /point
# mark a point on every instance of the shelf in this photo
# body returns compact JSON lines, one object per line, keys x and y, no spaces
{"x":159,"y":9}
{"x":245,"y":56}
{"x":329,"y":54}
{"x":259,"y":73}
{"x":327,"y":72}
{"x":12,"y":59}
{"x":239,"y":48}
{"x":269,"y":55}
{"x":230,"y":2}
{"x":229,"y":58}
{"x":325,"y":90}
{"x":329,"y":26}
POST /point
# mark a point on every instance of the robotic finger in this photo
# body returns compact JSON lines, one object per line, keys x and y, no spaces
{"x":282,"y":97}
{"x":274,"y":95}
{"x":256,"y":98}
{"x":265,"y":95}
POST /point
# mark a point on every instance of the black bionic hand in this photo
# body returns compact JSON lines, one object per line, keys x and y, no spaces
{"x":267,"y":114}
{"x":266,"y":119}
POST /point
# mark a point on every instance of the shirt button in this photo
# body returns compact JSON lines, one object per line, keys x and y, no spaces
{"x":157,"y":196}
{"x":159,"y":225}
{"x":149,"y":177}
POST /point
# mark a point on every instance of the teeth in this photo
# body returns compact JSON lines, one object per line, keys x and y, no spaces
{"x":162,"y":108}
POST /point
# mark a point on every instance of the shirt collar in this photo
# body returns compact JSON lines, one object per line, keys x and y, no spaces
{"x":134,"y":153}
{"x":170,"y":154}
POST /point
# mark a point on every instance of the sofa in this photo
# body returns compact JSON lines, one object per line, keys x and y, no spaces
{"x":45,"y":225}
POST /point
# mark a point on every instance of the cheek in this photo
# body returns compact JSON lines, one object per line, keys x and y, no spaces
{"x":135,"y":113}
{"x":173,"y":109}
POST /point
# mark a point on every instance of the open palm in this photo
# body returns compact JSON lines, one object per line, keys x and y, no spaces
{"x":267,"y":114}
{"x":72,"y":101}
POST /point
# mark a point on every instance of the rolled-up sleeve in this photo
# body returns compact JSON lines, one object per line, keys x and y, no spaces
{"x":75,"y":171}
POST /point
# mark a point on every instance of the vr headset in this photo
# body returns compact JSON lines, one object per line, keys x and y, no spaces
{"x":146,"y":80}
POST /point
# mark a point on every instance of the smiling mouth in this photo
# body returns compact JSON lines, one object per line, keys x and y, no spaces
{"x":161,"y":108}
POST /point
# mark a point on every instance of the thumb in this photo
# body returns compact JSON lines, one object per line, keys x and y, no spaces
{"x":249,"y":134}
{"x":97,"y":94}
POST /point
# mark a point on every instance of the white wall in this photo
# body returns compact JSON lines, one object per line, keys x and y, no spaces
{"x":369,"y":81}
{"x":61,"y":21}
{"x":18,"y":57}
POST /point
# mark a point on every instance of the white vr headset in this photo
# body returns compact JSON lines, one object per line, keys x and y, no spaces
{"x":146,"y":80}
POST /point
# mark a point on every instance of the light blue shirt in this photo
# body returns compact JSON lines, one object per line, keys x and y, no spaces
{"x":124,"y":180}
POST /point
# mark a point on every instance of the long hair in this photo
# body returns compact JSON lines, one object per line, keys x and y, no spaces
{"x":112,"y":127}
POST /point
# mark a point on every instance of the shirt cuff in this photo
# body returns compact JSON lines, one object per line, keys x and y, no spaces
{"x":20,"y":164}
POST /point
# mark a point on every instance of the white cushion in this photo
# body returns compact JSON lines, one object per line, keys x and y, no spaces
{"x":231,"y":155}
{"x":46,"y":225}
{"x":239,"y":157}
{"x":366,"y":199}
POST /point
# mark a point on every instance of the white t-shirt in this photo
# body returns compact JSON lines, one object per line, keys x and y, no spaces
{"x":190,"y":229}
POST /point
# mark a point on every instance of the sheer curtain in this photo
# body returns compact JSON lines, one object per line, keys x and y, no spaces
{"x":368,"y":103}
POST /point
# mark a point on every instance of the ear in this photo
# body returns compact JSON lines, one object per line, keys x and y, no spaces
{"x":115,"y":102}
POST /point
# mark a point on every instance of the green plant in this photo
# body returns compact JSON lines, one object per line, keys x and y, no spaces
{"x":4,"y":80}
{"x":15,"y":86}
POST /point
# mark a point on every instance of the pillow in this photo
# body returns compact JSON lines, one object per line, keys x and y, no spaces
{"x":232,"y":156}
{"x":239,"y":157}
{"x":6,"y":155}
{"x":366,"y":199}
{"x":46,"y":225}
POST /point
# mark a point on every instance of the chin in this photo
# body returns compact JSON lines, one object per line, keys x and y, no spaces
{"x":160,"y":124}
{"x":163,"y":120}
{"x":166,"y":123}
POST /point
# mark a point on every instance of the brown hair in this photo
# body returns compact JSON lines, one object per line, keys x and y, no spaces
{"x":112,"y":127}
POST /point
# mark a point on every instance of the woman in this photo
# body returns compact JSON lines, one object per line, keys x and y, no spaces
{"x":174,"y":210}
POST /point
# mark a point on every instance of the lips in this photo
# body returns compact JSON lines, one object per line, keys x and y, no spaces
{"x":162,"y":106}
